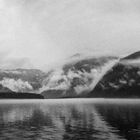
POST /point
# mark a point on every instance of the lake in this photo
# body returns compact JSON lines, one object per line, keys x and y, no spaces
{"x":70,"y":119}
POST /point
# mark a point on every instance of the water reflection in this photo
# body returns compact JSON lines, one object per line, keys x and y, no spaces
{"x":69,"y":121}
{"x":124,"y":118}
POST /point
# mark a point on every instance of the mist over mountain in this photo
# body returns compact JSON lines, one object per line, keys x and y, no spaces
{"x":76,"y":77}
{"x":122,"y":80}
{"x":79,"y":76}
{"x":21,"y":80}
{"x":133,"y":56}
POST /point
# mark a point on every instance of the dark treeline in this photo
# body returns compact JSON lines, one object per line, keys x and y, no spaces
{"x":123,"y":92}
{"x":9,"y":95}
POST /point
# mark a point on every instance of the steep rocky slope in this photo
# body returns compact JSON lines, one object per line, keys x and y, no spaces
{"x":123,"y":80}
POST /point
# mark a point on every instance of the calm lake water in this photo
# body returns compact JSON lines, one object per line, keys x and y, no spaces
{"x":70,"y":119}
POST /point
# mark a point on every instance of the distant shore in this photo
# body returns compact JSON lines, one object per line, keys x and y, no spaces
{"x":12,"y":95}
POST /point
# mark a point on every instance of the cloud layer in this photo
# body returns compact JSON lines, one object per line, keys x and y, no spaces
{"x":42,"y":32}
{"x":16,"y":85}
{"x":77,"y":79}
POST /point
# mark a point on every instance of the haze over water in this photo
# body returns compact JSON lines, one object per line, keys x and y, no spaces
{"x":70,"y":119}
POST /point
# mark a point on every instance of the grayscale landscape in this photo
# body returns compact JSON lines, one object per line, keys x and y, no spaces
{"x":69,"y":70}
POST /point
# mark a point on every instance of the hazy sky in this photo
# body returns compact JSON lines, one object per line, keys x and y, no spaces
{"x":37,"y":33}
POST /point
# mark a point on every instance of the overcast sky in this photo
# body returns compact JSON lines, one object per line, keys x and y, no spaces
{"x":38,"y":33}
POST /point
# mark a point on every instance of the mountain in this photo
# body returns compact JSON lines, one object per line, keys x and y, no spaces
{"x":123,"y":80}
{"x":133,"y":56}
{"x":21,"y":80}
{"x":20,"y":83}
{"x":76,"y":77}
{"x":79,"y":76}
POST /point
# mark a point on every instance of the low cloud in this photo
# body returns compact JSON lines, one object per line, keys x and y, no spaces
{"x":131,"y":62}
{"x":77,"y":80}
{"x":16,"y":85}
